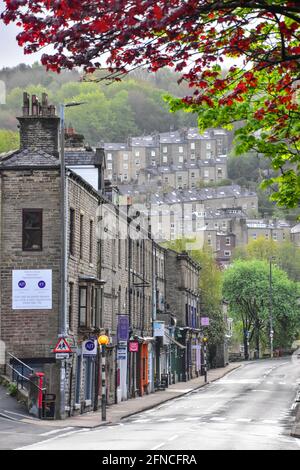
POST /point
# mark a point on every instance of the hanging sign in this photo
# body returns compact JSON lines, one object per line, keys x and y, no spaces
{"x":133,"y":346}
{"x":123,"y":327}
{"x":159,"y":328}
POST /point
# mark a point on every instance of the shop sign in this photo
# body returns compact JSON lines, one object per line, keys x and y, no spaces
{"x":122,"y":354}
{"x":133,"y":346}
{"x":159,"y":328}
{"x":123,"y":327}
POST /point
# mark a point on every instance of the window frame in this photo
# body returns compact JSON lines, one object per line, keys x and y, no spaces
{"x":85,"y":307}
{"x":40,"y":213}
{"x":72,"y":231}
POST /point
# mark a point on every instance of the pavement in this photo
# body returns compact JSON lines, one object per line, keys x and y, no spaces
{"x":296,"y":428}
{"x":125,"y":409}
{"x":10,"y":408}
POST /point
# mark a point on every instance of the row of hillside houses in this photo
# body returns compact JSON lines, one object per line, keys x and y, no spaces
{"x":178,"y":159}
{"x":222,"y":217}
{"x":118,"y":280}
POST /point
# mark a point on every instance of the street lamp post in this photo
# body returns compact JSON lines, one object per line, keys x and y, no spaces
{"x":103,"y":340}
{"x":205,"y":359}
{"x":102,"y":283}
{"x":64,"y":245}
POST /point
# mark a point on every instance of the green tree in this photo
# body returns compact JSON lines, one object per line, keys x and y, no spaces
{"x":210,"y":285}
{"x":284,"y":254}
{"x":9,"y":140}
{"x":247,"y":288}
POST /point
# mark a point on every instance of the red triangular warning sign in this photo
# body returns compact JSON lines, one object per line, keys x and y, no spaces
{"x":62,"y":346}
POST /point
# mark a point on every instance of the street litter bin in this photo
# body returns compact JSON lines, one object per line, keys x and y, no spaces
{"x":49,"y":406}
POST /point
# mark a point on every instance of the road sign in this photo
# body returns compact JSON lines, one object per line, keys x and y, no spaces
{"x":62,"y":346}
{"x":122,"y":353}
{"x":62,"y":356}
{"x":89,"y":347}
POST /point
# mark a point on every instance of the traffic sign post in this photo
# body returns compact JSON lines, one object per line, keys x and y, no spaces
{"x":62,"y":352}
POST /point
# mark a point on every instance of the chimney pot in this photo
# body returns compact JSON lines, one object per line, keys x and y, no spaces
{"x":39,"y":128}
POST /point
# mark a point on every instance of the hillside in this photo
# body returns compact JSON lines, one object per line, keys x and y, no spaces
{"x":113,"y":111}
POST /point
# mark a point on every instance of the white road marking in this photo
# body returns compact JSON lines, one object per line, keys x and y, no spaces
{"x":263,"y":391}
{"x":55,"y":431}
{"x":217,"y":419}
{"x":244,"y":420}
{"x":141,"y":420}
{"x":220,"y":391}
{"x":20,"y":414}
{"x":165,"y":420}
{"x":173,"y":438}
{"x":53,"y":438}
{"x":158,"y":446}
{"x":282,"y":383}
{"x":193,"y":419}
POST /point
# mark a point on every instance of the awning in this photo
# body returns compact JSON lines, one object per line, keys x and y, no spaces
{"x":91,"y":279}
{"x":142,"y":339}
{"x":181,"y":346}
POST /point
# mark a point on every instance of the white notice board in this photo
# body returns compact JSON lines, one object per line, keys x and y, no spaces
{"x":32,"y":289}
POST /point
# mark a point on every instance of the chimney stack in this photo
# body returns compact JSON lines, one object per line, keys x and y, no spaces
{"x":39,"y":125}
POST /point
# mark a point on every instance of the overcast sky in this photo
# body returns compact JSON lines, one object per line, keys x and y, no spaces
{"x":10,"y":53}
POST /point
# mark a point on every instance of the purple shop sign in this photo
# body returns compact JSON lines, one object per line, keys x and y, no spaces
{"x":204,"y":321}
{"x":123,"y":327}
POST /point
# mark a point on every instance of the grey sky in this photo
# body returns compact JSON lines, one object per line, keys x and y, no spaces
{"x":10,"y":53}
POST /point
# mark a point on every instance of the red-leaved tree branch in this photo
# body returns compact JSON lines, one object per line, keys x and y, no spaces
{"x":194,"y":37}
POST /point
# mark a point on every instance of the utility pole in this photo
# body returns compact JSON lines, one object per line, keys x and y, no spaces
{"x":64,"y":254}
{"x":97,"y":368}
{"x":271,"y":313}
{"x":205,"y":359}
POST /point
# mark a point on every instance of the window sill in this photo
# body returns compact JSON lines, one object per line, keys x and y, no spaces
{"x":77,"y":406}
{"x":87,"y":402}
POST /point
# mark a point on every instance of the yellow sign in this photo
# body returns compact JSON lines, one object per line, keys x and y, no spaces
{"x":204,"y":340}
{"x":103,"y":339}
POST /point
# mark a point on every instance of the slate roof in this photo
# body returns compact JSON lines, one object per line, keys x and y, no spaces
{"x":116,"y":146}
{"x":296,"y":229}
{"x":29,"y":158}
{"x":80,"y":157}
{"x":144,"y":141}
{"x":267,"y":224}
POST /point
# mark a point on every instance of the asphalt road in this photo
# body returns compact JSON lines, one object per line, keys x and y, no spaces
{"x":250,"y":408}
